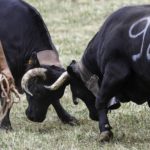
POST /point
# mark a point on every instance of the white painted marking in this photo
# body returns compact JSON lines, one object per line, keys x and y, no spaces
{"x":140,"y":33}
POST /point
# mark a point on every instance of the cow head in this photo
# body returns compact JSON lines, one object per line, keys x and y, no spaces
{"x":85,"y":85}
{"x":78,"y":88}
{"x":36,"y":83}
{"x":72,"y":77}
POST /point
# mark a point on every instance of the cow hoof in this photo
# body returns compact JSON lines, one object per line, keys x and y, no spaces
{"x":72,"y":121}
{"x":106,"y":136}
{"x":8,"y":128}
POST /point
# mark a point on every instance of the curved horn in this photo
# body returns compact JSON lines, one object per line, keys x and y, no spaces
{"x":29,"y":74}
{"x":59,"y":82}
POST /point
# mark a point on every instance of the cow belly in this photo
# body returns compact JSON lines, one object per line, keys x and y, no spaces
{"x":135,"y":90}
{"x":134,"y":98}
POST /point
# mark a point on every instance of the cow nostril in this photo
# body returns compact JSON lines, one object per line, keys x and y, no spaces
{"x":28,"y":111}
{"x":29,"y":115}
{"x":34,"y":117}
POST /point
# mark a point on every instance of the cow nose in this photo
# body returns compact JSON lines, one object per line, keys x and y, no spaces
{"x":31,"y":116}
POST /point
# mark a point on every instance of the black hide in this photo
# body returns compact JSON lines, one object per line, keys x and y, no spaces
{"x":119,"y":55}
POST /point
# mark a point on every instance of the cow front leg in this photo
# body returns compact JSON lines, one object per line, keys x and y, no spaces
{"x":104,"y":126}
{"x":113,"y":80}
{"x":5,"y":123}
{"x":64,"y":116}
{"x":93,"y":113}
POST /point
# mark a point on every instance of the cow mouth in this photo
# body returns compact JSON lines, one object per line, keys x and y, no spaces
{"x":33,"y":118}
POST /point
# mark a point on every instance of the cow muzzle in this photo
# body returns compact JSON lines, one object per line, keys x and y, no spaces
{"x":35,"y":117}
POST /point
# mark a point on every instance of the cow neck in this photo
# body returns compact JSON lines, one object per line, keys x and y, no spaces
{"x":90,"y":80}
{"x":48,"y":57}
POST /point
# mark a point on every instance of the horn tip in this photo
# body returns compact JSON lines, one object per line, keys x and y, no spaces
{"x":27,"y":92}
{"x":51,"y":88}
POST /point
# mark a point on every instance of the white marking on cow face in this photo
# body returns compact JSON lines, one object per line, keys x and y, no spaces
{"x":140,"y":33}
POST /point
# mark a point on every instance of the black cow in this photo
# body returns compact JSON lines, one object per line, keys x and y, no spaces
{"x":115,"y":65}
{"x":30,"y":52}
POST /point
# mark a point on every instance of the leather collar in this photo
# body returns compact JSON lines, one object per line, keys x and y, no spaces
{"x":90,"y":79}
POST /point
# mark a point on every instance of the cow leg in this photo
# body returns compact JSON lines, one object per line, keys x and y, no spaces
{"x":114,"y":77}
{"x":5,"y":123}
{"x":93,"y":113}
{"x":64,"y":116}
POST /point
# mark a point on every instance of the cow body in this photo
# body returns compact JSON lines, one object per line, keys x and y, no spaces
{"x":27,"y":45}
{"x":24,"y":30}
{"x":119,"y":57}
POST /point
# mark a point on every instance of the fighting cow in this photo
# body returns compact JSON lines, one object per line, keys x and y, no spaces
{"x":32,"y":57}
{"x":115,"y":65}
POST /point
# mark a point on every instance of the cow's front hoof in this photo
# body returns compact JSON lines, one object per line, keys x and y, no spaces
{"x":71,"y":121}
{"x":8,"y":128}
{"x":106,"y":136}
{"x":6,"y":125}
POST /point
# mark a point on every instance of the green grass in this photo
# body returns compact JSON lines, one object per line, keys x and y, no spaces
{"x":72,"y":24}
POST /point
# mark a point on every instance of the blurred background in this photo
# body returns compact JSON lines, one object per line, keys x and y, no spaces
{"x":72,"y":23}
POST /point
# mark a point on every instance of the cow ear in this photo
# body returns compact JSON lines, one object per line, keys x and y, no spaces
{"x":33,"y":61}
{"x":72,"y":69}
{"x":73,"y":62}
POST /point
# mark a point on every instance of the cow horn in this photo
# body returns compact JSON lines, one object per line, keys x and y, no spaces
{"x":29,"y":74}
{"x":59,"y":82}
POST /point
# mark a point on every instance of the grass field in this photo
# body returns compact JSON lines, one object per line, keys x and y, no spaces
{"x":72,"y":24}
